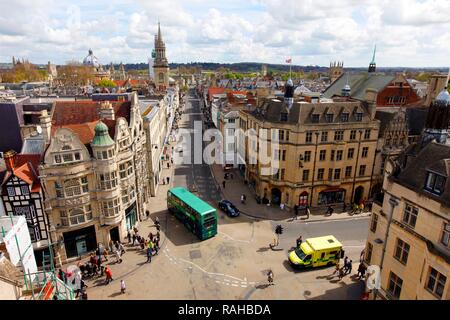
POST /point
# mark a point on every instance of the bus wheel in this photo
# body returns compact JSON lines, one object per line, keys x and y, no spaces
{"x":329,"y":264}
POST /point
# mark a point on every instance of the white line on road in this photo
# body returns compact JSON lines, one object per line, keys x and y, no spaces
{"x":230,"y":237}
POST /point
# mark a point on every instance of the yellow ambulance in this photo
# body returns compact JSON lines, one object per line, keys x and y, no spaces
{"x":317,"y":252}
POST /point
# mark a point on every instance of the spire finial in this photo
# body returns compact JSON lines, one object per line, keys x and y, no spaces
{"x":374,"y":52}
{"x":159,"y":31}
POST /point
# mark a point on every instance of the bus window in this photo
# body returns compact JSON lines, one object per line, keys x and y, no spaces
{"x":322,"y":255}
{"x":209,"y":223}
{"x":308,"y":258}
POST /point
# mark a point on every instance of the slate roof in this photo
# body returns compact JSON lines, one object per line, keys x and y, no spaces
{"x":435,"y":157}
{"x":358,"y":82}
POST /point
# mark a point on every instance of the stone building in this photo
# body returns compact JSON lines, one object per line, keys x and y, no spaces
{"x":409,"y":229}
{"x":94,"y":172}
{"x":336,"y":70}
{"x":160,"y":63}
{"x":326,"y":149}
{"x":437,"y":83}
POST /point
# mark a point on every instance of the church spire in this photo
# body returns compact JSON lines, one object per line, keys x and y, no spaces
{"x":373,"y":65}
{"x":159,"y":32}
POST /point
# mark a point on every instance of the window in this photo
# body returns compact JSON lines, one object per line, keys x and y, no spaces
{"x":72,"y":188}
{"x":307,"y":156}
{"x":308,"y":137}
{"x":329,"y":117}
{"x":337,"y":174}
{"x":122,"y":171}
{"x":401,"y":251}
{"x":282,"y":174}
{"x":315,"y":118}
{"x":373,"y":222}
{"x":367,"y":134}
{"x":435,"y":183}
{"x":395,"y":285}
{"x":11,"y":191}
{"x":68,"y":157}
{"x":287,"y":135}
{"x":339,"y":135}
{"x":362,"y":170}
{"x":410,"y":215}
{"x":281,"y":135}
{"x":339,"y":155}
{"x":107,"y":180}
{"x":368,"y":255}
{"x":348,"y":172}
{"x":59,"y":190}
{"x":320,"y":173}
{"x":111,"y":208}
{"x":324,"y":137}
{"x":75,"y":216}
{"x":344,"y":117}
{"x":283,"y":155}
{"x":322,"y":155}
{"x":305,"y":176}
{"x":77,"y":156}
{"x":436,"y":282}
{"x":25,"y":190}
{"x":57,"y":158}
{"x":446,"y":235}
{"x":358,"y":116}
{"x":332,"y":155}
{"x":350,"y":153}
{"x":353,"y":135}
{"x":330,"y":174}
{"x":365,"y":152}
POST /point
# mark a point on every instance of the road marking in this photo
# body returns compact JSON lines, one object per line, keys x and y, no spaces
{"x":234,"y":285}
{"x":230,"y":237}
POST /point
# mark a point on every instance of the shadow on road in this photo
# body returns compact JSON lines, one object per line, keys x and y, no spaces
{"x":352,"y":291}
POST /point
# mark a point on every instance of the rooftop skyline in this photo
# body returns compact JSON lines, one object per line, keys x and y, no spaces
{"x":412,"y":33}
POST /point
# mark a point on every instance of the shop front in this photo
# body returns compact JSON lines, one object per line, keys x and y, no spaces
{"x":331,"y":196}
{"x":80,"y":242}
{"x":131,"y":216}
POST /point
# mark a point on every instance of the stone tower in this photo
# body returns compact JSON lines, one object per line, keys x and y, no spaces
{"x":161,"y":65}
{"x":436,"y":84}
{"x":336,"y":70}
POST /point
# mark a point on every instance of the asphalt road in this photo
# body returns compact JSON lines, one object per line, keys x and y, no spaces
{"x":198,"y":175}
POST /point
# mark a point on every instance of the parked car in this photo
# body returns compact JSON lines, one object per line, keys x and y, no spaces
{"x":229,"y":208}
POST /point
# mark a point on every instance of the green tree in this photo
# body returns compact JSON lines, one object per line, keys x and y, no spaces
{"x":106,"y":83}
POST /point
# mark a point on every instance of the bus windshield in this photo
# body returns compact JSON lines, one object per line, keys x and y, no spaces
{"x":209,"y":223}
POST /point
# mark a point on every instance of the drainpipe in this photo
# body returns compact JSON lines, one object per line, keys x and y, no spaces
{"x":393,"y":202}
{"x":356,"y":167}
{"x":314,"y":168}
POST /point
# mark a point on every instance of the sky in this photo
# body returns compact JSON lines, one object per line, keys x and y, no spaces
{"x":407,"y":33}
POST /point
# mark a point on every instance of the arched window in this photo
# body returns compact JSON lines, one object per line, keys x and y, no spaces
{"x":72,"y":187}
{"x":303,"y":199}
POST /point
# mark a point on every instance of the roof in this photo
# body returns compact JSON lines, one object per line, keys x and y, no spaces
{"x":433,"y":157}
{"x":358,"y":82}
{"x":26,"y":168}
{"x":102,"y":138}
{"x":323,"y":243}
{"x":82,"y":117}
{"x":195,"y":202}
{"x":33,"y":145}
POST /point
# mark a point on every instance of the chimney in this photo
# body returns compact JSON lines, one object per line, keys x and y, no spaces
{"x":46,"y":124}
{"x":371,"y":99}
{"x":107,"y":111}
{"x":10,"y":159}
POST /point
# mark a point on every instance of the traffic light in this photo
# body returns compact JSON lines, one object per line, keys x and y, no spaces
{"x":279,"y":229}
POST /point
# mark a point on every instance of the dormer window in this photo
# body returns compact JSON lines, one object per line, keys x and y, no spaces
{"x":435,"y":183}
{"x":329,"y":117}
{"x":358,"y":116}
{"x":315,"y":118}
{"x":284,"y":117}
{"x":344,"y":117}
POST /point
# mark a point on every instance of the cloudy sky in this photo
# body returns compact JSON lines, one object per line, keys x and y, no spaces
{"x":409,"y":33}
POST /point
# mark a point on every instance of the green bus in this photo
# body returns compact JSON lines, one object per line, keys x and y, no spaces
{"x":197,"y":215}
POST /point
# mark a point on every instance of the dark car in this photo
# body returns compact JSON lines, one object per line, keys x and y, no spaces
{"x":229,"y":208}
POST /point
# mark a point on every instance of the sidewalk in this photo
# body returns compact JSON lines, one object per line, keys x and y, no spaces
{"x":235,"y":187}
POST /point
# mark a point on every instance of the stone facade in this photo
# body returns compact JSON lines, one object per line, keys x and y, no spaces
{"x":94,"y":173}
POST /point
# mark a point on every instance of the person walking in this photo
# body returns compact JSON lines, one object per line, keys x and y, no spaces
{"x":299,"y":241}
{"x":122,"y":286}
{"x":121,"y":248}
{"x":168,"y":165}
{"x":111,"y":244}
{"x":118,"y":256}
{"x":168,"y":180}
{"x":129,"y":236}
{"x":349,"y":267}
{"x":155,"y":247}
{"x":361,"y":270}
{"x":223,"y":184}
{"x":296,"y":212}
{"x":308,"y":212}
{"x":149,"y":253}
{"x":108,"y":275}
{"x":345,"y":263}
{"x":270,"y":277}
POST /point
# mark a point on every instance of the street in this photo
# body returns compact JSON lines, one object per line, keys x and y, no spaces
{"x":233,"y":264}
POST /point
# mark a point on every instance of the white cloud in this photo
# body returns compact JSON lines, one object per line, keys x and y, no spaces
{"x":407,"y":32}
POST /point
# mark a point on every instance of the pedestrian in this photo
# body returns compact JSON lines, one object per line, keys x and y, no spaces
{"x":111,"y":243}
{"x":108,"y":275}
{"x":336,"y":270}
{"x":270,"y":277}
{"x":168,"y":165}
{"x":122,"y":286}
{"x":150,"y":236}
{"x":171,"y":160}
{"x":299,"y":241}
{"x":308,"y":212}
{"x":99,"y":265}
{"x":361,"y":256}
{"x":168,"y":180}
{"x":129,"y":236}
{"x":149,"y":253}
{"x":105,"y":254}
{"x":296,"y":212}
{"x":118,"y":256}
{"x":361,"y":270}
{"x":341,"y":273}
{"x":345,"y":263}
{"x":282,"y":205}
{"x":155,"y":247}
{"x":121,"y":248}
{"x":223,"y":184}
{"x":134,"y":238}
{"x":349,"y":267}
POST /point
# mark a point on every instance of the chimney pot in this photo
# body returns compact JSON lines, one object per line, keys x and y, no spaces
{"x":10,"y":159}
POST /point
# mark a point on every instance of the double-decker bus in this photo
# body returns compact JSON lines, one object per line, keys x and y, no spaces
{"x":197,"y":215}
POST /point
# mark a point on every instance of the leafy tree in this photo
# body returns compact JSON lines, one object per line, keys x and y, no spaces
{"x":106,"y":83}
{"x":74,"y":74}
{"x":24,"y":72}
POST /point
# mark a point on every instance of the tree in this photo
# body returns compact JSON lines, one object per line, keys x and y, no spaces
{"x":24,"y":72}
{"x":74,"y":74}
{"x":106,"y":83}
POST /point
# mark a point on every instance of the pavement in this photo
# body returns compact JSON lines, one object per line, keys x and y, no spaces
{"x":234,"y":263}
{"x":235,"y":187}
